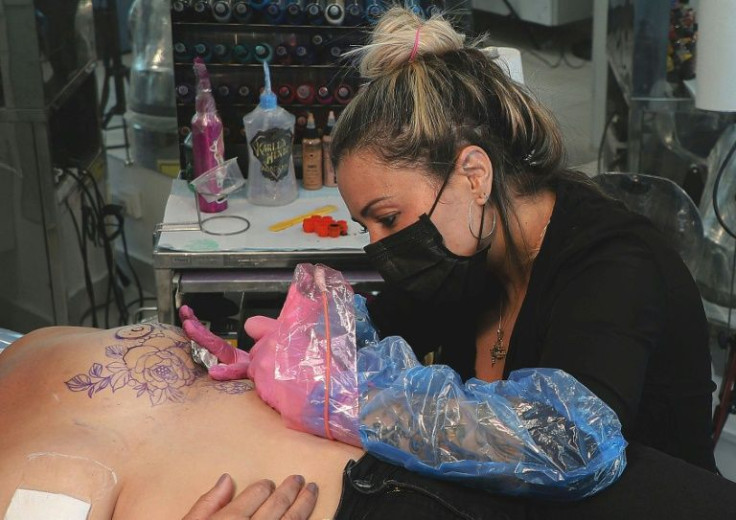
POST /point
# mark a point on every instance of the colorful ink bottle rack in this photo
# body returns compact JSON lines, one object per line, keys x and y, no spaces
{"x":302,"y":40}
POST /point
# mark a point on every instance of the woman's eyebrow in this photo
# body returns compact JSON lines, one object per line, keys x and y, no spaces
{"x":366,"y":209}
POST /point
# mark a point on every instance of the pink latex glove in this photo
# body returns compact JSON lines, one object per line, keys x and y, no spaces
{"x":263,"y":357}
{"x":315,"y":378}
{"x":256,"y":365}
{"x":233,"y":362}
{"x":288,"y":362}
{"x":286,"y":397}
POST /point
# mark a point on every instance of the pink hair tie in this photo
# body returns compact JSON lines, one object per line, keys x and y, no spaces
{"x":416,"y":45}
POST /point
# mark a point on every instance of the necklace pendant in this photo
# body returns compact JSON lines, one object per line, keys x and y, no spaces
{"x":498,"y":352}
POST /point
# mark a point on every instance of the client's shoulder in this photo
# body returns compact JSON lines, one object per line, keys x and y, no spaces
{"x":144,"y":362}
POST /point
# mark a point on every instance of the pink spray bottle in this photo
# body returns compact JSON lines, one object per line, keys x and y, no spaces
{"x":208,"y":148}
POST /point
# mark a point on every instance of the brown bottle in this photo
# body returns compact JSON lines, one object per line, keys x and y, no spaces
{"x":311,"y":156}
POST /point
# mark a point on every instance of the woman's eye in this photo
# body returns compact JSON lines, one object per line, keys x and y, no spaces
{"x":363,"y":229}
{"x":388,"y":221}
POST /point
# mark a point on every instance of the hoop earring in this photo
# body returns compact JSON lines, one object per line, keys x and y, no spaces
{"x":479,"y":236}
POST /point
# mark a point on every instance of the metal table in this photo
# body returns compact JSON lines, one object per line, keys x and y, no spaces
{"x":179,"y":272}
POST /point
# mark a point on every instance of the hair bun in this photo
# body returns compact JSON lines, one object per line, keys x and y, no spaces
{"x":393,"y":37}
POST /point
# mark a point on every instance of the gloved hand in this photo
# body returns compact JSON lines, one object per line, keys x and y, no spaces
{"x":316,"y":384}
{"x":282,"y":342}
{"x":263,"y":357}
{"x":233,"y":362}
{"x":303,"y":363}
{"x":256,"y":365}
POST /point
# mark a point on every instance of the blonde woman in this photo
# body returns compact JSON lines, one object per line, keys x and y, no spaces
{"x":498,"y":257}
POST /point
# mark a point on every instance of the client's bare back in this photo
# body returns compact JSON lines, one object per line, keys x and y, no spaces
{"x":123,"y":420}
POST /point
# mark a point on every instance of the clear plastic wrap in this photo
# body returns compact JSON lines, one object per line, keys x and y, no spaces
{"x":318,"y":313}
{"x":538,"y":434}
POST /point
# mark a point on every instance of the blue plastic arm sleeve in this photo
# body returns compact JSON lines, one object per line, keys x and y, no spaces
{"x":540,"y":433}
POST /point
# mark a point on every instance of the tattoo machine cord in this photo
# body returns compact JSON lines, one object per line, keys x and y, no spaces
{"x":118,"y":212}
{"x":103,"y":211}
{"x":112,"y":285}
{"x":94,"y":227}
{"x":87,"y":231}
{"x":82,"y":243}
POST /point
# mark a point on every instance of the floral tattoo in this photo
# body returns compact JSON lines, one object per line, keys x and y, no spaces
{"x":154,"y":360}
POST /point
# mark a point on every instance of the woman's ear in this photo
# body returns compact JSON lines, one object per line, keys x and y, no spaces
{"x":475,"y":165}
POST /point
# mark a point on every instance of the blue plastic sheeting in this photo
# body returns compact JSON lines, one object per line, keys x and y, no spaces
{"x":7,"y":337}
{"x":539,"y":434}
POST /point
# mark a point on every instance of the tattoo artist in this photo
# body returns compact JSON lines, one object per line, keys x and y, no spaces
{"x":498,"y":257}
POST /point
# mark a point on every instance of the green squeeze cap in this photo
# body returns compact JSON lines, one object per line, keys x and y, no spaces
{"x":268,"y":98}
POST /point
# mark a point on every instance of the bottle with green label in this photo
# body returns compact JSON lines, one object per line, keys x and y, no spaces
{"x":269,"y":130}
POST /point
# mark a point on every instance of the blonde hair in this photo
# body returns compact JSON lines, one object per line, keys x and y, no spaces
{"x":422,"y":111}
{"x":393,"y":41}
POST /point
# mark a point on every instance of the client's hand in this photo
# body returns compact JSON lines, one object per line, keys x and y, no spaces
{"x":233,"y":362}
{"x":259,"y":501}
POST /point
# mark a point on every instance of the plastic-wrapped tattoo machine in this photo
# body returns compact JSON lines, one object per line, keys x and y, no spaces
{"x":540,"y":433}
{"x":315,"y":361}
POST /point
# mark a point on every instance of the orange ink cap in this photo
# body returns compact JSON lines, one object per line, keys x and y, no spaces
{"x":308,"y":225}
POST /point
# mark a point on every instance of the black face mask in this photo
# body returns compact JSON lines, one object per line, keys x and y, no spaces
{"x":416,"y":261}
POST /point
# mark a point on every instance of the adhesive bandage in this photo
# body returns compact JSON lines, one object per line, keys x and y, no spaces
{"x":30,"y":504}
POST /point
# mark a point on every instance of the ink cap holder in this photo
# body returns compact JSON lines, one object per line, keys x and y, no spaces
{"x":325,"y":226}
{"x":215,"y":185}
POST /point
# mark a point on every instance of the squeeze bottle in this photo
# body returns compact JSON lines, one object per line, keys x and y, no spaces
{"x":208,"y":147}
{"x":269,"y":130}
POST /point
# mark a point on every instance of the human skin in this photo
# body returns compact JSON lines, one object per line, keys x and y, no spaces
{"x":386,"y":198}
{"x":124,"y":419}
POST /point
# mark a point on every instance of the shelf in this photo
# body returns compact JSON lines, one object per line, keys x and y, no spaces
{"x":60,"y":97}
{"x":324,"y":67}
{"x":66,"y":100}
{"x":250,"y":106}
{"x":271,"y":27}
{"x":259,"y":66}
{"x":270,"y":280}
{"x":71,"y":86}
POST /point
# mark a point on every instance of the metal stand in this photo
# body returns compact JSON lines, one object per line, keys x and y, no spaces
{"x":106,"y":17}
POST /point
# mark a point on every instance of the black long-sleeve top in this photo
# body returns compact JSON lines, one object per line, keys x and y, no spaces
{"x":609,"y":302}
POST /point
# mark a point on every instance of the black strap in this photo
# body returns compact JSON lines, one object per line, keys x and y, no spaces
{"x":439,"y":195}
